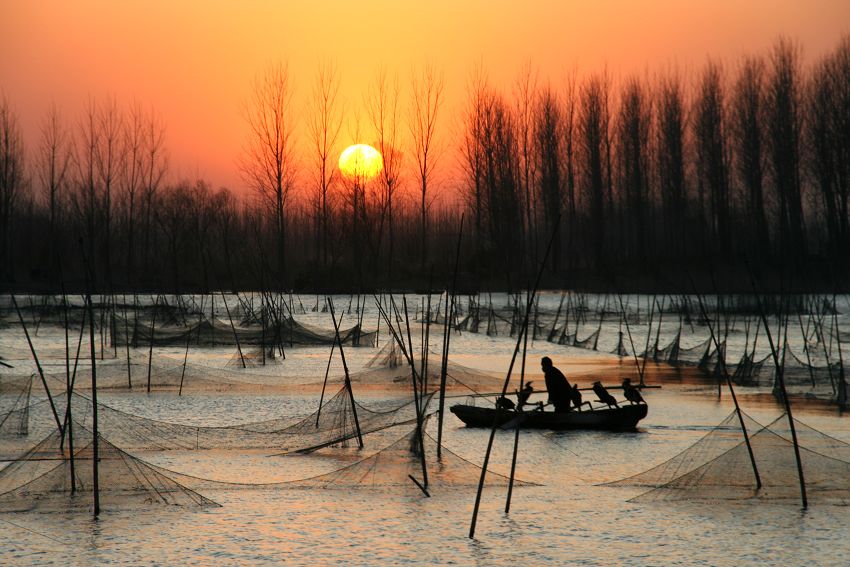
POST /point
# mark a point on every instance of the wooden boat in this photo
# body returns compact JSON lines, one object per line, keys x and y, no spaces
{"x":623,"y":418}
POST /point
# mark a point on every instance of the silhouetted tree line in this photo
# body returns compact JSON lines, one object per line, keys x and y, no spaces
{"x":649,"y":179}
{"x":662,"y":175}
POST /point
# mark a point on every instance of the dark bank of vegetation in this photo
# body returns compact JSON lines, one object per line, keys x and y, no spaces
{"x":655,"y":179}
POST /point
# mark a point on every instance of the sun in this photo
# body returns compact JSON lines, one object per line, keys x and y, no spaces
{"x":360,"y":162}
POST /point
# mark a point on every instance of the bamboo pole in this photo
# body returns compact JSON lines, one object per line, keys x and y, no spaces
{"x":781,"y":381}
{"x":232,"y":328}
{"x":347,"y":377}
{"x":631,"y":341}
{"x":150,"y":347}
{"x":505,"y":385}
{"x":38,"y":365}
{"x":68,"y":428}
{"x":67,"y":419}
{"x":89,"y":270}
{"x":725,"y":372}
{"x":407,"y":354}
{"x":516,"y":431}
{"x":328,"y":368}
{"x":426,"y":339}
{"x":416,"y":401}
{"x":447,"y":336}
{"x":188,"y":340}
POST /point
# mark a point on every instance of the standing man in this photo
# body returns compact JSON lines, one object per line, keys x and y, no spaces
{"x":556,"y":385}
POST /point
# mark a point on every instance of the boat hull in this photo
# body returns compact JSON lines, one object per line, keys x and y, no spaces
{"x":624,"y":418}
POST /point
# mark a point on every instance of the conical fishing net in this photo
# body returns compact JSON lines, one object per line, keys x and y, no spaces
{"x":208,"y":333}
{"x":14,"y":406}
{"x":389,"y":356}
{"x":730,"y":476}
{"x":334,"y":424}
{"x":42,"y":479}
{"x":389,"y":467}
{"x":718,"y":441}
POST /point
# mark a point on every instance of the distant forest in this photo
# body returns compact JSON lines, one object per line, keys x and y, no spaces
{"x":655,"y":178}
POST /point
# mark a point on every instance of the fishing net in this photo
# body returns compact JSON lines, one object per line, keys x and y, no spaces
{"x":729,"y":475}
{"x":391,"y":466}
{"x":169,"y":375}
{"x":620,"y":349}
{"x":42,"y":479}
{"x":754,"y":373}
{"x":799,"y":376}
{"x":590,"y":343}
{"x":389,"y":368}
{"x":211,"y":332}
{"x":474,"y":323}
{"x":464,"y":323}
{"x":561,"y":337}
{"x":254,"y":358}
{"x":14,"y":406}
{"x":334,"y":424}
{"x":669,"y":353}
{"x":798,"y":372}
{"x":566,"y":338}
{"x":695,"y":355}
{"x":389,"y":356}
{"x":716,"y":442}
{"x":394,"y":465}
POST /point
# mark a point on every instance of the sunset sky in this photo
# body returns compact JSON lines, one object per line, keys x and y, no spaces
{"x":193,"y":61}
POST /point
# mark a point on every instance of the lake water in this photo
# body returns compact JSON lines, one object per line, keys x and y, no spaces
{"x":567,"y":518}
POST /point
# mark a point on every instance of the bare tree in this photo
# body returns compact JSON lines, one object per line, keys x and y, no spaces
{"x":549,"y":155}
{"x":501,"y":181}
{"x":131,"y":181}
{"x":471,"y":151}
{"x":570,"y":164}
{"x":53,"y":161}
{"x":426,"y":100}
{"x":153,"y":169}
{"x":593,"y":125}
{"x":325,"y":122}
{"x":356,"y":197}
{"x":110,"y":160}
{"x":711,"y":155}
{"x":633,"y":126}
{"x":784,"y":123}
{"x":268,"y":162}
{"x":746,"y":126}
{"x":11,"y":180}
{"x":525,"y":93}
{"x":670,"y":159}
{"x":86,"y":197}
{"x":827,"y":142}
{"x":383,"y":108}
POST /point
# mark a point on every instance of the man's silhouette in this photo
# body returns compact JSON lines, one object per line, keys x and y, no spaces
{"x":557,"y":385}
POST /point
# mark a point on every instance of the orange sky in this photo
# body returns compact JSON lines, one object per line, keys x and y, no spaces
{"x":193,"y":61}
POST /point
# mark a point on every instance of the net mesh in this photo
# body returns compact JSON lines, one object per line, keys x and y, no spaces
{"x":717,"y":468}
{"x":392,"y":466}
{"x":333,"y":424}
{"x":389,"y":356}
{"x":718,"y":441}
{"x":42,"y":479}
{"x":14,"y":406}
{"x":254,"y":358}
{"x":210,"y":332}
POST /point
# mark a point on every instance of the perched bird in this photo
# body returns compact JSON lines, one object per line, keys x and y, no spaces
{"x":603,"y":395}
{"x":523,"y":395}
{"x":631,"y":393}
{"x":575,"y":397}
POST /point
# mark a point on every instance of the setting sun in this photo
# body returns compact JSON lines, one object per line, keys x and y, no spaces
{"x":360,"y":161}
